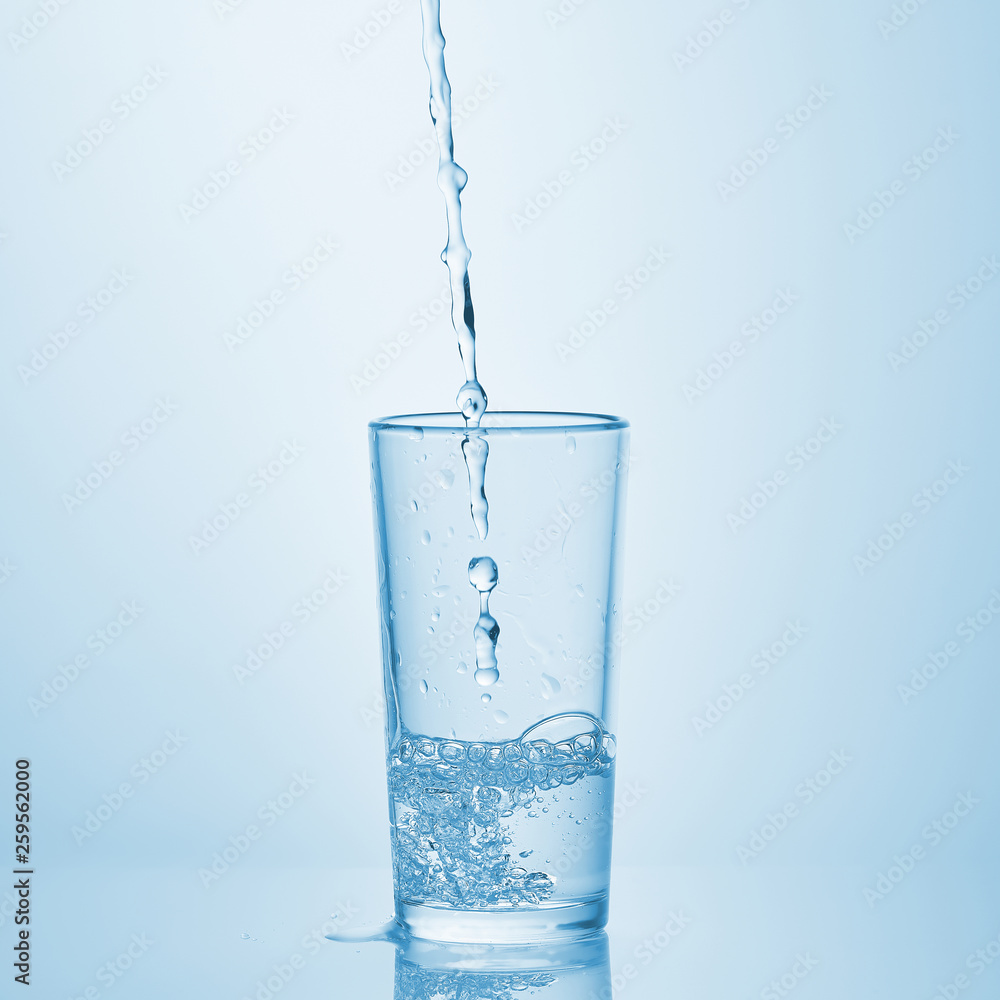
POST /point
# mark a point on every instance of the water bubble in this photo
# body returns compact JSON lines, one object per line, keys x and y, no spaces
{"x":587,"y":745}
{"x":425,"y":537}
{"x":452,"y":752}
{"x":517,"y":771}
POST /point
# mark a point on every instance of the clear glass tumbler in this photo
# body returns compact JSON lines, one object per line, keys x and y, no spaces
{"x":569,"y":970}
{"x":500,"y":669}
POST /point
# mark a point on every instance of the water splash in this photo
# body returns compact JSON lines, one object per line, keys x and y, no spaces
{"x":451,"y":180}
{"x":471,"y":399}
{"x":464,"y":811}
{"x":476,"y":450}
{"x":456,"y":255}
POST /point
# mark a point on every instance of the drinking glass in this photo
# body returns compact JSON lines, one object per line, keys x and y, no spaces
{"x":569,"y":970}
{"x":500,"y":667}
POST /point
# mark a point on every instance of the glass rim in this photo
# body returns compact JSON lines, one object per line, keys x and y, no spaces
{"x":519,"y":421}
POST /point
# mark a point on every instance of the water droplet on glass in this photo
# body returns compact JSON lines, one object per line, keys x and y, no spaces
{"x":579,"y":590}
{"x":463,"y":667}
{"x":486,"y":698}
{"x":425,"y":537}
{"x":245,"y":936}
{"x":417,"y":434}
{"x":501,"y":716}
{"x":550,"y":686}
{"x":413,"y":506}
{"x":423,"y":687}
{"x":570,"y":443}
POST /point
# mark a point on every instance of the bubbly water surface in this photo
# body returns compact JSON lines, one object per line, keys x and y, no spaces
{"x":499,"y":825}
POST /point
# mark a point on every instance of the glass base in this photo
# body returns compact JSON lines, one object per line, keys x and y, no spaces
{"x":523,"y":925}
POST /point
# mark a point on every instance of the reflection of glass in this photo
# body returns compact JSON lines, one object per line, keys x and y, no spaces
{"x":573,"y":971}
{"x":500,"y":771}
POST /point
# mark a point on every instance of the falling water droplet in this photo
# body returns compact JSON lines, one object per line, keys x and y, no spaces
{"x":487,"y":676}
{"x":471,"y":399}
{"x":476,"y":450}
{"x":483,"y":576}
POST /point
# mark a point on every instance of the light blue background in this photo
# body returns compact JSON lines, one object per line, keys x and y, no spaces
{"x":314,"y":707}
